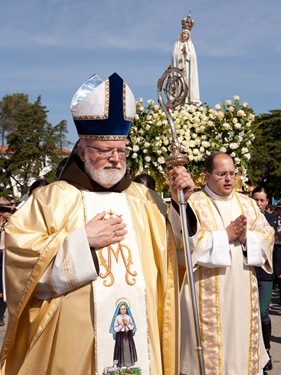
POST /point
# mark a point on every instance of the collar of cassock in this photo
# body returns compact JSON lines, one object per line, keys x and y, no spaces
{"x":74,"y":174}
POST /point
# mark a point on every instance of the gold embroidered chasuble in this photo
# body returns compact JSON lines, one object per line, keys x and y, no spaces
{"x":58,"y":335}
{"x":227,"y":295}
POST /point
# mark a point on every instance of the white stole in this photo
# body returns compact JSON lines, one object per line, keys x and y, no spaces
{"x":120,"y":279}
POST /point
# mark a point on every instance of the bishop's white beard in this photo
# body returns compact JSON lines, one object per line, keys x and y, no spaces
{"x":105,"y":177}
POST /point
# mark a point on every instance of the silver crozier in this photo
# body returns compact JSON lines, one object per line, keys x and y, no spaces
{"x":175,"y":88}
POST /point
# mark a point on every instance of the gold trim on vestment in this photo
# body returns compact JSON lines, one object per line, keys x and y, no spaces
{"x":254,"y":360}
{"x":104,"y":137}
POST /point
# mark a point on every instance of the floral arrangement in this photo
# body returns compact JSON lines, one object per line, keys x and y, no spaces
{"x":201,"y":131}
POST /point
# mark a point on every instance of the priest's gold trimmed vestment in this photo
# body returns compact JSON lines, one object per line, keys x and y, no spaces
{"x":60,"y":309}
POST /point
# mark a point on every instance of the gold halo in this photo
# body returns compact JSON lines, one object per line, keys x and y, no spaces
{"x":123,"y":299}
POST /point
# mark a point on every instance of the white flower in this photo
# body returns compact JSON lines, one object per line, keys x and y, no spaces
{"x":220,"y":115}
{"x":200,"y":130}
{"x":191,"y":144}
{"x":205,"y":144}
{"x":233,"y":146}
{"x":244,"y":150}
{"x":226,"y":126}
{"x":190,"y":157}
{"x":237,"y":126}
{"x":236,"y":97}
{"x":161,"y":160}
{"x":195,"y":151}
{"x":241,"y":113}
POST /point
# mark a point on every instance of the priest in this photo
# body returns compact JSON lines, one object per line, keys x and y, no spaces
{"x":231,"y":238}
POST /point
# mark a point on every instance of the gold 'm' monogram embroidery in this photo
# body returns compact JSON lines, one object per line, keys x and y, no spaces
{"x":126,"y":256}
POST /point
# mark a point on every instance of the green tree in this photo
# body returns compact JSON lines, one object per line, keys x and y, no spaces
{"x":10,"y":105}
{"x":60,"y":131}
{"x":32,"y":145}
{"x":266,"y":155}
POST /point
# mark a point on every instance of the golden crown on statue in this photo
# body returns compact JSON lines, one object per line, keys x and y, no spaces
{"x":187,"y":23}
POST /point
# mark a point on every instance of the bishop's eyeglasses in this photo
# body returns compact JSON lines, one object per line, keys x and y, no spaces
{"x":107,"y":153}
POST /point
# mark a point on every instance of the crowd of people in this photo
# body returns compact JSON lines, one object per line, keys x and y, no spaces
{"x":95,"y":271}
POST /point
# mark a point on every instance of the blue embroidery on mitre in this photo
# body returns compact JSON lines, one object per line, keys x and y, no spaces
{"x":103,"y":109}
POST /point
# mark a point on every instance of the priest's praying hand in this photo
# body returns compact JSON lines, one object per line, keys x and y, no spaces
{"x":237,"y":229}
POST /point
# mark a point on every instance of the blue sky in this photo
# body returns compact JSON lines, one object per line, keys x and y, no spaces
{"x":51,"y":47}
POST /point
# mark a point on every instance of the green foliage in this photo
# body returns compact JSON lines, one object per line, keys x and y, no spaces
{"x":266,"y":155}
{"x":10,"y":106}
{"x":32,"y":142}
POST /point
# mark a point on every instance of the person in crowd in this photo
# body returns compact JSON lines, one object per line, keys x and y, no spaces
{"x":270,"y":208}
{"x":250,"y":189}
{"x":232,"y":236}
{"x":6,"y":210}
{"x":11,"y":200}
{"x":37,"y":185}
{"x":85,"y":243}
{"x":265,"y":279}
{"x":146,"y":180}
{"x":277,"y":250}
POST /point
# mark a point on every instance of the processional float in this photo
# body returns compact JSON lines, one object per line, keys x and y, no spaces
{"x":172,"y":89}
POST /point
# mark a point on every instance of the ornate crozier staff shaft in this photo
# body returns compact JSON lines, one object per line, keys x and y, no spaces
{"x":175,"y":87}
